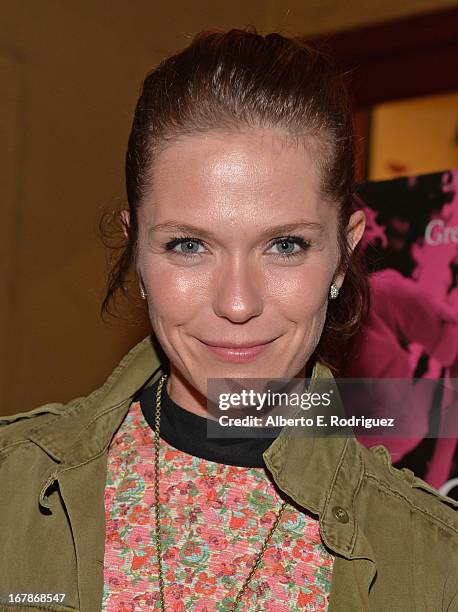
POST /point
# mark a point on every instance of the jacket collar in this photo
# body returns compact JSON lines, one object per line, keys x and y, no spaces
{"x":321,"y":474}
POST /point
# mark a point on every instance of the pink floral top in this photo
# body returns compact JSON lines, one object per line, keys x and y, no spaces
{"x":214,"y":520}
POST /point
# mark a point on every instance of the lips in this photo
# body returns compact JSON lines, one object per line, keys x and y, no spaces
{"x":238,"y":345}
{"x":239,"y":352}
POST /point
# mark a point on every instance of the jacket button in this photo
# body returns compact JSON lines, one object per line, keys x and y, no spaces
{"x":340,"y":514}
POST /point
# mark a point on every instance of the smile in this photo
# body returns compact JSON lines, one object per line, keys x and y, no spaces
{"x":238,"y":354}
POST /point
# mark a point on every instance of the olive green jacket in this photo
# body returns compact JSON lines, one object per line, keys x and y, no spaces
{"x":395,"y":538}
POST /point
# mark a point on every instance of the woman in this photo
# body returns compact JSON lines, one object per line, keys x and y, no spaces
{"x":241,"y":232}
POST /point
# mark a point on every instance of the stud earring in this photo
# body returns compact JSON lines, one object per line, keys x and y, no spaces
{"x":333,"y":292}
{"x":142,"y":292}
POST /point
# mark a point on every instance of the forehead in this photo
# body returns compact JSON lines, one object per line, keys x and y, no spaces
{"x":237,"y":175}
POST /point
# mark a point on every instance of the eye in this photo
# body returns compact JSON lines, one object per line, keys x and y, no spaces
{"x":287,"y":246}
{"x":187,"y":246}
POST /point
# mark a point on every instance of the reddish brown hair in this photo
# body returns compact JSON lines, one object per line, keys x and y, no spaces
{"x":239,"y":79}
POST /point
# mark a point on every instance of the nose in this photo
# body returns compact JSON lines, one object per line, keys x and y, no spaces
{"x":238,"y":291}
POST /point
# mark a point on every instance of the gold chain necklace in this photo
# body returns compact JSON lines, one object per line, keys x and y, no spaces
{"x":157,"y":512}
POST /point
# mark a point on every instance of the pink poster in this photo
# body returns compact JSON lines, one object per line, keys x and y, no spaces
{"x":411,"y":250}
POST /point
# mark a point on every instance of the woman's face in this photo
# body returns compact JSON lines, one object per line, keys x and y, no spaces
{"x":236,"y":246}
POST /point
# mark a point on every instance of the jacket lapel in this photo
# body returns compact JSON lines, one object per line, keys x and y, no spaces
{"x":323,"y":474}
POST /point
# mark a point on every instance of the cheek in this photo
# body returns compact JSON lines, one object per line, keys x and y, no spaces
{"x":302,"y":292}
{"x":174,"y":295}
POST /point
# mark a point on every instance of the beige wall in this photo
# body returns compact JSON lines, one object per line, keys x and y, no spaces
{"x":414,"y":136}
{"x":71,"y":73}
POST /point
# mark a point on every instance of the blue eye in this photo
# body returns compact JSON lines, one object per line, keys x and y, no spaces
{"x":189,"y":246}
{"x":287,"y":241}
{"x":184,"y":241}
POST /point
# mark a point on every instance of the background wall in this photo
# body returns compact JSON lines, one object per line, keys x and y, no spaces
{"x":417,"y":135}
{"x":70,"y":75}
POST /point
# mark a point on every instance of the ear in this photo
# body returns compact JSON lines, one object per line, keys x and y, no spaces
{"x":125,"y":220}
{"x":355,"y":228}
{"x":355,"y":231}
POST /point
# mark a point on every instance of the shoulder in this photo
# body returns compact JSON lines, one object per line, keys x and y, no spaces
{"x":57,"y":427}
{"x":409,"y":495}
{"x":408,"y":530}
{"x":16,"y":428}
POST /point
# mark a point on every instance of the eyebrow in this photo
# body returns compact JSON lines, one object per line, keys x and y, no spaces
{"x":269,"y":232}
